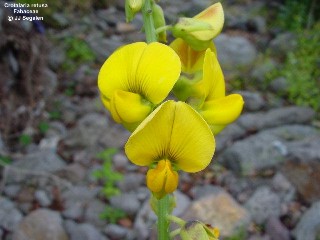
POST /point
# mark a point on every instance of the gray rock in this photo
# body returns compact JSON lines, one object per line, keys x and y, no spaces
{"x":84,"y":231}
{"x":144,"y":221}
{"x":231,"y":133}
{"x":308,"y":227}
{"x":51,"y":83}
{"x":306,"y":149}
{"x":279,"y":85}
{"x":263,"y":204}
{"x":260,"y":71}
{"x":12,"y":190}
{"x":131,"y":182}
{"x":56,"y":57}
{"x":202,"y":191}
{"x":92,"y":213}
{"x":235,"y":52}
{"x":276,"y":230}
{"x":116,"y":232}
{"x":253,"y":101}
{"x":128,"y":202}
{"x":120,"y":161}
{"x":9,"y":215}
{"x":303,"y":176}
{"x":276,"y":117}
{"x":97,"y":42}
{"x":56,"y":129}
{"x":76,"y":199}
{"x":43,"y":160}
{"x":43,"y":198}
{"x":252,"y":154}
{"x":183,"y":202}
{"x":282,"y":44}
{"x":74,"y":173}
{"x":94,"y":133}
{"x":285,"y":190}
{"x":41,"y":224}
{"x":219,"y":210}
{"x":265,"y":149}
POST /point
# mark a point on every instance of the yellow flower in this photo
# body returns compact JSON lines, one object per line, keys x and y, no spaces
{"x":136,"y":78}
{"x":209,"y":96}
{"x":173,"y":137}
{"x":199,"y":31}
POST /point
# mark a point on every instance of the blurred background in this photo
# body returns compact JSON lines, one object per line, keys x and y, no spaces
{"x":63,"y":171}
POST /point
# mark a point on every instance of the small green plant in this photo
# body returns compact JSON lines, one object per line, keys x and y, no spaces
{"x":78,"y":50}
{"x":241,"y":234}
{"x":107,"y":175}
{"x":43,"y":127}
{"x":5,"y":160}
{"x":301,"y":69}
{"x":112,"y":214}
{"x":297,"y":14}
{"x":25,"y":139}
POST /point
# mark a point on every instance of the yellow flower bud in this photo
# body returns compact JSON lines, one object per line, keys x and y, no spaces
{"x":199,"y":31}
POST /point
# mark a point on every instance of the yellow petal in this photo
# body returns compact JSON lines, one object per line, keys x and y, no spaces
{"x":212,"y":85}
{"x":214,"y":16}
{"x":167,"y":133}
{"x":119,"y":69}
{"x":159,"y":69}
{"x":130,"y":106}
{"x":223,"y":110}
{"x":191,"y":60}
{"x":149,"y":141}
{"x":192,"y":144}
{"x":149,"y":70}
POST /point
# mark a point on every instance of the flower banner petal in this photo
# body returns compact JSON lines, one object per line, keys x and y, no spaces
{"x":159,"y":69}
{"x":174,"y":131}
{"x":149,"y":142}
{"x":118,"y":70}
{"x":192,"y":144}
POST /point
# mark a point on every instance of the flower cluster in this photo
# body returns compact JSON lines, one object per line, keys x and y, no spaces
{"x":169,"y":136}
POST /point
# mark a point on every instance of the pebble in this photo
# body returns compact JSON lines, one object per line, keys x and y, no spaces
{"x":263,"y":204}
{"x":35,"y":226}
{"x":253,"y":101}
{"x":43,"y":199}
{"x":92,"y":213}
{"x":276,"y":230}
{"x":219,"y":210}
{"x":276,"y":117}
{"x":131,"y":182}
{"x":128,"y":202}
{"x":9,"y":215}
{"x":83,"y":231}
{"x":309,"y":224}
{"x":116,"y":232}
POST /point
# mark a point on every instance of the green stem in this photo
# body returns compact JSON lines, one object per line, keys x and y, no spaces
{"x":149,"y":28}
{"x":163,"y":223}
{"x":164,"y":28}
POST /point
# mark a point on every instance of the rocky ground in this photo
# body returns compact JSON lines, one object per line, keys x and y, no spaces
{"x":263,"y":183}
